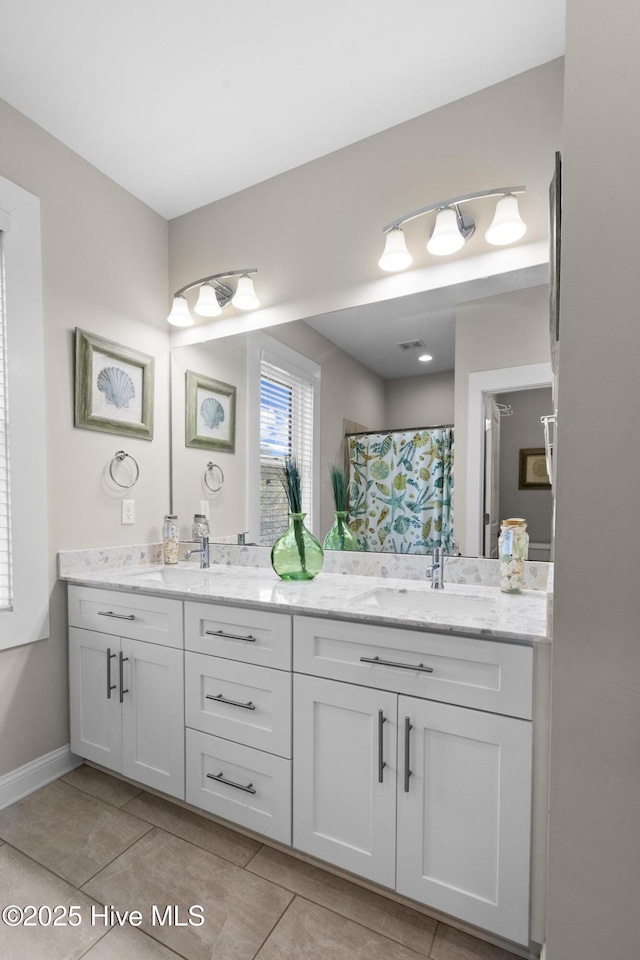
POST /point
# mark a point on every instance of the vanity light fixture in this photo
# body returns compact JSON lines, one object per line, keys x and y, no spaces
{"x":213,"y":296}
{"x":452,"y":227}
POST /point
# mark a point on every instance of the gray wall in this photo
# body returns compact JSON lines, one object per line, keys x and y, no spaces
{"x":422,"y":401}
{"x":594,"y":868}
{"x":104,"y":265}
{"x":524,"y":430}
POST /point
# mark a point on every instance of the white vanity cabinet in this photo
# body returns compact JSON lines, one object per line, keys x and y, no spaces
{"x":430,"y":798}
{"x":127,"y":694}
{"x":238,"y":716}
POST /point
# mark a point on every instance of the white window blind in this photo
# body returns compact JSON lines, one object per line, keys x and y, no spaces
{"x":5,"y":503}
{"x":286,"y":430}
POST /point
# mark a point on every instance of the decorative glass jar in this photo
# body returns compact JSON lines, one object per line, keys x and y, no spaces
{"x":513,"y":546}
{"x":199,"y":527}
{"x":297,"y":555}
{"x":341,"y":536}
{"x":170,"y":538}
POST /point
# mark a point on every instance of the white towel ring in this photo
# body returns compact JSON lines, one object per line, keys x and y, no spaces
{"x":210,"y":470}
{"x":119,"y":457}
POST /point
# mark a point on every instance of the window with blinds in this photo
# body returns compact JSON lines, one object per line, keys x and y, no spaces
{"x":286,"y":430}
{"x":5,"y":506}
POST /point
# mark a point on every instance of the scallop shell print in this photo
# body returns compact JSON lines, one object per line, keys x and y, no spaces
{"x":117,"y":386}
{"x":212,"y":412}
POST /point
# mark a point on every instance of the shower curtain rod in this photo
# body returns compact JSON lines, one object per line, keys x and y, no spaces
{"x":369,"y":433}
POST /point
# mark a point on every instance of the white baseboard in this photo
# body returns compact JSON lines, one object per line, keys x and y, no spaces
{"x":25,"y":780}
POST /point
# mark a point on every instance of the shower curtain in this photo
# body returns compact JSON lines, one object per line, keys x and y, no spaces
{"x":401,"y":488}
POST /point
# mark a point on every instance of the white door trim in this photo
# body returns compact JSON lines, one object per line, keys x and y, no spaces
{"x":504,"y":380}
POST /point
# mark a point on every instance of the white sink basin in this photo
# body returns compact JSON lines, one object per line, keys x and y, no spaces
{"x":428,"y":601}
{"x":176,"y":575}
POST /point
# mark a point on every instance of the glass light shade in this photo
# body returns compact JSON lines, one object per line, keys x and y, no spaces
{"x":507,"y":225}
{"x":446,"y":237}
{"x":395,"y":255}
{"x":245,"y":296}
{"x":180,"y":316}
{"x":207,"y":305}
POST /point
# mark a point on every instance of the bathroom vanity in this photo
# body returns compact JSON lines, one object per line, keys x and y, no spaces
{"x":374,"y":724}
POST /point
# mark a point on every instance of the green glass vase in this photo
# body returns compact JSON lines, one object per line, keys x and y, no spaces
{"x":297,"y":555}
{"x":341,"y":536}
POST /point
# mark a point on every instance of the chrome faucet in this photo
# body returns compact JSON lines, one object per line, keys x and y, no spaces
{"x":204,"y":553}
{"x":435,"y":572}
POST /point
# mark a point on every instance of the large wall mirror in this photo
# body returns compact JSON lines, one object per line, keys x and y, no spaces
{"x":349,"y":386}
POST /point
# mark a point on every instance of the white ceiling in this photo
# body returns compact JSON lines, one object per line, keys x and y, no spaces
{"x":371,"y":333}
{"x":186,"y":101}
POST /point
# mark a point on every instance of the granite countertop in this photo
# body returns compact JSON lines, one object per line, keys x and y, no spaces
{"x":390,"y":601}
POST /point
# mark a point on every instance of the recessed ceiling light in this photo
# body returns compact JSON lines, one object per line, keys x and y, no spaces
{"x":425,"y":357}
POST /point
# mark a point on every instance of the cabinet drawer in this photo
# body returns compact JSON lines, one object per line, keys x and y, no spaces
{"x":239,"y":701}
{"x":123,"y":614}
{"x":257,"y":791}
{"x":252,"y":636}
{"x":484,"y":674}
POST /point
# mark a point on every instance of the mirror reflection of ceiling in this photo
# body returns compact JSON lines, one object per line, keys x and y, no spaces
{"x":371,"y":333}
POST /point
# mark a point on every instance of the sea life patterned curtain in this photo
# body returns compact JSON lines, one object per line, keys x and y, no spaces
{"x":401,"y":489}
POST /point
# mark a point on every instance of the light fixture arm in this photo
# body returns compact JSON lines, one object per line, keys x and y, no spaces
{"x":226,"y":291}
{"x":452,"y":202}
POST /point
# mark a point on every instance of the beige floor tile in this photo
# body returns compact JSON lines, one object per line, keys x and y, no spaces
{"x":68,"y":831}
{"x":408,"y":927}
{"x":101,"y":785}
{"x":126,"y":943}
{"x":204,"y":833}
{"x":24,"y":882}
{"x":309,"y":932}
{"x":451,"y":944}
{"x":240,"y":909}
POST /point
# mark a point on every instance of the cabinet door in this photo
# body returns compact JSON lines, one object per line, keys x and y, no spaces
{"x":153,"y":716}
{"x":344,"y":805}
{"x":95,"y":709}
{"x":464,"y":816}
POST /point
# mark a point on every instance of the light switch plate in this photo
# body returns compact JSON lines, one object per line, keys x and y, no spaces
{"x":128,"y":514}
{"x":204,"y":508}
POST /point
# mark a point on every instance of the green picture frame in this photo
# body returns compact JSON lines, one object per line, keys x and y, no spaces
{"x":114,"y":387}
{"x":210,"y":413}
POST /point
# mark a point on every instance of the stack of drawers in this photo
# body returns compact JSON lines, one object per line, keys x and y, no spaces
{"x":238,"y":703}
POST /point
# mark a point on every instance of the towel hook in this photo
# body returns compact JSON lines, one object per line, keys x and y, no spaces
{"x":210,"y":468}
{"x":119,"y":457}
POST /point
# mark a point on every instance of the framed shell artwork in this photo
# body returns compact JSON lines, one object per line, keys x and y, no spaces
{"x":113,"y":387}
{"x":210,"y":413}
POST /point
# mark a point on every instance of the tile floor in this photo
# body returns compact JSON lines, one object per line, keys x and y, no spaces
{"x":91,"y":840}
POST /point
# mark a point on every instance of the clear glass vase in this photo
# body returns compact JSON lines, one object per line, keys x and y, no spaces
{"x":341,"y":536}
{"x":513,"y":547}
{"x":297,"y":555}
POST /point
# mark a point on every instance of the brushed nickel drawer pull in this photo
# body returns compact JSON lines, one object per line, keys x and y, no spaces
{"x":232,"y":703}
{"x":121,"y":662}
{"x":110,"y":686}
{"x":230,"y":636}
{"x":407,"y":733}
{"x":391,"y":663}
{"x":230,"y":783}
{"x":381,"y":764}
{"x":116,"y":616}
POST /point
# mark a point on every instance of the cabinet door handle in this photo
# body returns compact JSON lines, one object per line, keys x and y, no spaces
{"x":420,"y":667}
{"x":121,"y":661}
{"x":249,"y":788}
{"x":407,"y":734}
{"x":110,"y":686}
{"x":232,"y":703}
{"x":381,"y":764}
{"x":116,"y":616}
{"x":230,"y":636}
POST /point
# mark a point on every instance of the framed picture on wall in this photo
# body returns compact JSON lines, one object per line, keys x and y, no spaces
{"x":113,"y":387}
{"x":532,"y":474}
{"x":210,"y":413}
